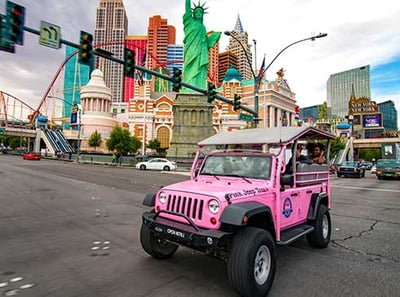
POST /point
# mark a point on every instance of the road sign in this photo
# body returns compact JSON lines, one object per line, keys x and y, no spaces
{"x":246,"y":117}
{"x":2,"y":131}
{"x":50,"y":35}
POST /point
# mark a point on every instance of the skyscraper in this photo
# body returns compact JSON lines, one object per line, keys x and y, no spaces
{"x":138,"y":44}
{"x":109,"y":34}
{"x":213,"y":54}
{"x":339,"y":89}
{"x":174,"y":58}
{"x":389,"y":114}
{"x":75,"y":76}
{"x":226,"y":60}
{"x":244,"y":56}
{"x":159,"y":35}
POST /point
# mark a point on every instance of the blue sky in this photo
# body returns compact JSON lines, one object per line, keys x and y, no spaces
{"x":385,"y":80}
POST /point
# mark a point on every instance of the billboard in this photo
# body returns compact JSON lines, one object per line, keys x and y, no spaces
{"x":372,"y":120}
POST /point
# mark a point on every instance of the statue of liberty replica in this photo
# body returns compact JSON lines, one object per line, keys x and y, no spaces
{"x":197,"y":44}
{"x":192,"y":114}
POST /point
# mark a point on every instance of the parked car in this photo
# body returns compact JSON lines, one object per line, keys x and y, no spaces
{"x":351,"y":169}
{"x":367,"y":165}
{"x":157,"y":164}
{"x":32,"y":156}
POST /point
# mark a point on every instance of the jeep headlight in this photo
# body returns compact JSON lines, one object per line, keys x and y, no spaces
{"x":162,"y":197}
{"x":213,"y":206}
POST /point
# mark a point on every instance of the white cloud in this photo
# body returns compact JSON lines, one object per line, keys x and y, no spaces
{"x":359,"y":33}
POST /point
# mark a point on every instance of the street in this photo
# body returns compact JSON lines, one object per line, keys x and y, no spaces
{"x":69,"y":229}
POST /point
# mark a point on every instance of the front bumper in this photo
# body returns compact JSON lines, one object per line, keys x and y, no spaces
{"x":188,"y":235}
{"x":388,"y":174}
{"x":349,"y":173}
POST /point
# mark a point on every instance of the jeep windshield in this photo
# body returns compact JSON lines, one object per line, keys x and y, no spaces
{"x":238,"y":165}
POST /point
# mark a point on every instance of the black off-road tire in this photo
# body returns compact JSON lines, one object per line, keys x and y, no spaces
{"x":155,"y":247}
{"x":321,"y":235}
{"x":252,"y":262}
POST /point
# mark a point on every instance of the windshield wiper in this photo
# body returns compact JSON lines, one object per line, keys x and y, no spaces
{"x":211,"y":174}
{"x":236,"y":175}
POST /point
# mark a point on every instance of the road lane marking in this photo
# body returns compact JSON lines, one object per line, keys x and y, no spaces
{"x":371,"y":189}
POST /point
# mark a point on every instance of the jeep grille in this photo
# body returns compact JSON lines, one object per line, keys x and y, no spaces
{"x":191,"y":207}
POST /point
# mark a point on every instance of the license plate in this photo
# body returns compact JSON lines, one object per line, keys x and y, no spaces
{"x":176,"y":233}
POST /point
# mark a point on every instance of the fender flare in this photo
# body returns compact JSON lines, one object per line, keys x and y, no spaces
{"x":234,"y":213}
{"x":316,"y":200}
{"x":150,"y":199}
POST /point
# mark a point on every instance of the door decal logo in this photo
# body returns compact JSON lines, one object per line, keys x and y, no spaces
{"x":287,"y":207}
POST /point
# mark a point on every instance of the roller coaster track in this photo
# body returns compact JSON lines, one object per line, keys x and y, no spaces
{"x":14,"y":108}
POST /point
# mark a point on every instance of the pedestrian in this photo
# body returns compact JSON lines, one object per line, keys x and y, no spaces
{"x":118,"y":158}
{"x":113,"y":158}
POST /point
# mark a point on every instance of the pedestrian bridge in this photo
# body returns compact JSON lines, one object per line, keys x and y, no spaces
{"x":55,"y":140}
{"x":374,"y":142}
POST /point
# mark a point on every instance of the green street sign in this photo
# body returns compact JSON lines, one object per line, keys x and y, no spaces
{"x":2,"y":131}
{"x":50,"y":35}
{"x":246,"y":117}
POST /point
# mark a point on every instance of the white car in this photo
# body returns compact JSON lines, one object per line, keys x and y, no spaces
{"x":157,"y":164}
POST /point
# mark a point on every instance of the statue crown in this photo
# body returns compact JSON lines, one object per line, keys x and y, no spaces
{"x":199,"y":6}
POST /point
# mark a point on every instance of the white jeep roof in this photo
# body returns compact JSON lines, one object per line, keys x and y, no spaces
{"x":275,"y":135}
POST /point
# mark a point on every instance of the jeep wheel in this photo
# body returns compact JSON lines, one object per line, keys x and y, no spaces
{"x":321,"y":235}
{"x":156,"y":247}
{"x":252,"y":262}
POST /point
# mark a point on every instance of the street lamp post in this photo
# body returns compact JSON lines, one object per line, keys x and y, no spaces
{"x":79,"y":132}
{"x":256,"y":104}
{"x":312,"y":38}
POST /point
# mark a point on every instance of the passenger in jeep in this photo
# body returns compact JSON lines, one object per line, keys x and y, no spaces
{"x":318,"y":153}
{"x":299,"y":159}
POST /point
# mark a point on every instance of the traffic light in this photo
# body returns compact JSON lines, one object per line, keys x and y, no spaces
{"x":297,"y":122}
{"x":236,"y":102}
{"x":211,"y":92}
{"x":15,"y":23}
{"x":86,"y":49}
{"x":5,"y":43}
{"x":129,"y":62}
{"x":176,"y":80}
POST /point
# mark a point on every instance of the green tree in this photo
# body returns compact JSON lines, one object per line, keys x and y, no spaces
{"x":95,"y":140}
{"x":322,"y":111}
{"x":121,"y":141}
{"x":369,"y":154}
{"x":15,"y":141}
{"x":155,"y":144}
{"x":336,"y":145}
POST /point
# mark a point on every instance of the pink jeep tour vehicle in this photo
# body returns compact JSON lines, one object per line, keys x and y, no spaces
{"x":245,"y":195}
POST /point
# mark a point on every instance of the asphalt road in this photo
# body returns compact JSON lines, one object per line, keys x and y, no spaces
{"x":69,"y":229}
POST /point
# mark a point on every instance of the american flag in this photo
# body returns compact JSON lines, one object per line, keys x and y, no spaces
{"x":260,"y":73}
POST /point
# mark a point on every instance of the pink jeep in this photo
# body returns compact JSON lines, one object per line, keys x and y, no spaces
{"x":239,"y":203}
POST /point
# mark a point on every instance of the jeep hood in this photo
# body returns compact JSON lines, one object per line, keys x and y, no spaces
{"x":221,"y":187}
